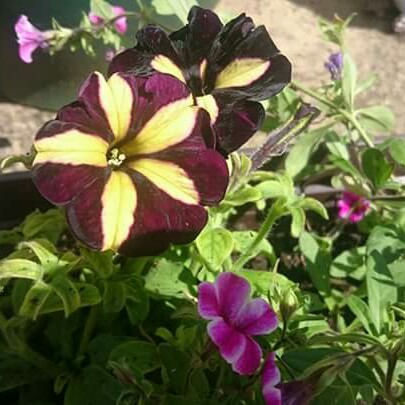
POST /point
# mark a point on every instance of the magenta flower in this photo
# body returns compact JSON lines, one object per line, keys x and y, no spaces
{"x":29,"y":38}
{"x":335,"y":65}
{"x":120,"y":24}
{"x":234,"y":318}
{"x":270,"y":378}
{"x":352,"y":207}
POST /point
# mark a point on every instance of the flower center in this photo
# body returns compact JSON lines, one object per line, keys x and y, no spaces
{"x":115,"y":158}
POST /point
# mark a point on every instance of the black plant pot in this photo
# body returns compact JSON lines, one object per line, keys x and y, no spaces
{"x":18,"y":197}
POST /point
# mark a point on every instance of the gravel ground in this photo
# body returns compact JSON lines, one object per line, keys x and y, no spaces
{"x":293,"y":25}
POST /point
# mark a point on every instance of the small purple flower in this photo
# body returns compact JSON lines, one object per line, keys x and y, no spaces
{"x":335,"y":65}
{"x":29,"y":38}
{"x":352,"y":207}
{"x":234,"y":318}
{"x":120,"y":24}
{"x":270,"y":378}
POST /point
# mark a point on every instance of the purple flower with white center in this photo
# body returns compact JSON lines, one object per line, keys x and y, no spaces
{"x":352,"y":207}
{"x":270,"y":378}
{"x":234,"y":318}
{"x":29,"y":38}
{"x":120,"y":24}
{"x":335,"y":65}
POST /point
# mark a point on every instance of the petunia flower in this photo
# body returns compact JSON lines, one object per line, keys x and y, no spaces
{"x":120,"y":24}
{"x":29,"y":38}
{"x":352,"y":207}
{"x":296,"y":392}
{"x":234,"y":318}
{"x":228,"y":69}
{"x":270,"y":378}
{"x":335,"y":65}
{"x":132,"y":163}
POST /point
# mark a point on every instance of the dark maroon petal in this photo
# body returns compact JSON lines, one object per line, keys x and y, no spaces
{"x":256,"y":318}
{"x":160,"y":220}
{"x":132,"y":61}
{"x":84,"y":214}
{"x":233,"y":293}
{"x":237,"y":122}
{"x":60,"y":183}
{"x":249,"y":360}
{"x":230,"y":342}
{"x":153,"y":40}
{"x":239,"y":40}
{"x":207,"y":301}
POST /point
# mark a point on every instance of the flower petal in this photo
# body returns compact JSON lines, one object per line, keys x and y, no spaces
{"x":230,"y":342}
{"x":26,"y":50}
{"x":113,"y":100}
{"x":270,"y":378}
{"x":237,"y":122}
{"x":245,"y":61}
{"x":103,"y":214}
{"x":208,"y":307}
{"x":160,"y":220}
{"x":232,"y":292}
{"x":120,"y":24}
{"x":249,"y":360}
{"x":256,"y":318}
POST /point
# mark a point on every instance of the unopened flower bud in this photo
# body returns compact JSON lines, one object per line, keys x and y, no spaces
{"x":288,"y":305}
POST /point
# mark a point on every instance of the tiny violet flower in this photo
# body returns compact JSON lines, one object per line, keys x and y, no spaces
{"x":120,"y":24}
{"x":132,"y":164}
{"x":270,"y":379}
{"x":234,"y":318}
{"x":227,"y":68}
{"x":29,"y":38}
{"x":352,"y":207}
{"x":335,"y":65}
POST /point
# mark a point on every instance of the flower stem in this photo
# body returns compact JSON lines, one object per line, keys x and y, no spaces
{"x":347,"y":115}
{"x":276,"y":211}
{"x":87,"y":331}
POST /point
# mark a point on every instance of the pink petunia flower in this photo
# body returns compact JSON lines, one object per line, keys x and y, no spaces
{"x":352,"y":207}
{"x":120,"y":24}
{"x":234,"y":318}
{"x":29,"y":38}
{"x":270,"y":378}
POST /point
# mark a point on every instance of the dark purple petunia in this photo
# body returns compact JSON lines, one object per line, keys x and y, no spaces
{"x":234,"y":318}
{"x":335,"y":65}
{"x":353,"y":207}
{"x":228,"y":69}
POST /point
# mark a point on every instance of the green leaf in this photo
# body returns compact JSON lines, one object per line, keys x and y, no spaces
{"x":48,"y":225}
{"x":43,"y":250}
{"x":346,"y":166}
{"x":136,"y":301}
{"x":362,"y":312}
{"x":244,"y":239}
{"x":300,"y":153}
{"x":377,"y":118}
{"x":138,"y":355}
{"x":215,"y":245}
{"x":93,"y":386}
{"x":198,"y":386}
{"x":102,"y":9}
{"x":350,"y":263}
{"x":35,"y":299}
{"x":67,"y":292}
{"x":349,"y":78}
{"x":242,"y":196}
{"x":397,"y":151}
{"x":114,"y":296}
{"x":298,"y":221}
{"x":20,"y":268}
{"x":337,"y":394}
{"x":376,"y":167}
{"x":168,"y":279}
{"x":180,"y":8}
{"x":100,"y":262}
{"x":177,"y":365}
{"x":385,"y":245}
{"x":317,"y":261}
{"x":309,"y":203}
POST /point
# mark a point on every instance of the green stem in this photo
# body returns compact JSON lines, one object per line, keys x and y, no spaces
{"x":392,"y":362}
{"x":347,"y":115}
{"x":276,"y":211}
{"x":88,"y":330}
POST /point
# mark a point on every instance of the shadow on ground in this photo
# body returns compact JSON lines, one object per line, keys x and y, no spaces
{"x":370,"y":14}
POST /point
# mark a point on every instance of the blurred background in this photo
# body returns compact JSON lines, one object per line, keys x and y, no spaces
{"x":29,"y":92}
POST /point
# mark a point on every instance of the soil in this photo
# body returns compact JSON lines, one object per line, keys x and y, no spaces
{"x":293,"y":26}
